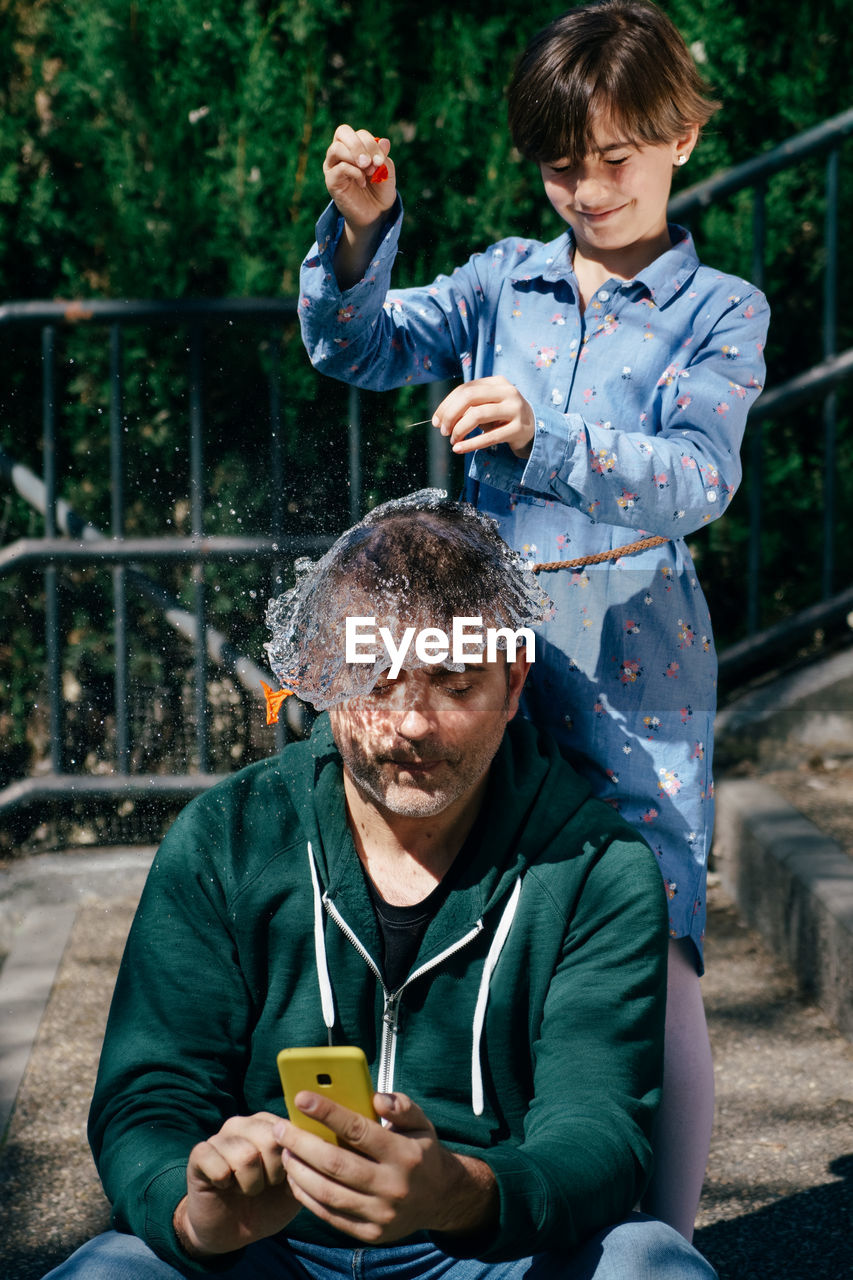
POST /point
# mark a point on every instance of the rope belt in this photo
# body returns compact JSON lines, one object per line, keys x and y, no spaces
{"x":613,"y":554}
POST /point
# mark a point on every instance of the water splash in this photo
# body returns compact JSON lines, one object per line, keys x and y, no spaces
{"x":420,"y":561}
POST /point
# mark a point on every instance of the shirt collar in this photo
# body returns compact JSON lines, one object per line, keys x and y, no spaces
{"x":661,"y":279}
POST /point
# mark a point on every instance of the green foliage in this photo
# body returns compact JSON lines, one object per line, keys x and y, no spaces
{"x":173,"y":148}
{"x":166,"y":149}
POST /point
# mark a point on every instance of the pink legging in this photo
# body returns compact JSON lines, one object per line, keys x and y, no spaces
{"x":682,"y":1135}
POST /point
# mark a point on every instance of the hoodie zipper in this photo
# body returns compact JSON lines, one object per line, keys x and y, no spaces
{"x":391,"y":999}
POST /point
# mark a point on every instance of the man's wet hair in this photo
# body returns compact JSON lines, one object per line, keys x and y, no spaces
{"x":415,"y":561}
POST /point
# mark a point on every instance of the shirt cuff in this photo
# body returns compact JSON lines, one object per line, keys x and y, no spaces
{"x":329,"y":229}
{"x":550,"y":457}
{"x":523,"y":1205}
{"x":162,"y":1196}
{"x":498,"y":466}
{"x":545,"y":471}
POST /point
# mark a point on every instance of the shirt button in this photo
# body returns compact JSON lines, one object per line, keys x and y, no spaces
{"x":603,"y":295}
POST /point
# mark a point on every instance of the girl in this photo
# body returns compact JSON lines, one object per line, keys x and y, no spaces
{"x":607,"y":379}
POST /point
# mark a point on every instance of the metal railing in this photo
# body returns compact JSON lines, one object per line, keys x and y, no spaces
{"x":84,"y":544}
{"x":824,"y":378}
{"x":70,"y":540}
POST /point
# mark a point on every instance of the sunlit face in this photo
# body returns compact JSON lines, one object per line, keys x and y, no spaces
{"x":615,"y":199}
{"x":416,"y":745}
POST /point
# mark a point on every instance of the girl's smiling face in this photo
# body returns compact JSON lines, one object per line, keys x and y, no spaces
{"x":615,"y":199}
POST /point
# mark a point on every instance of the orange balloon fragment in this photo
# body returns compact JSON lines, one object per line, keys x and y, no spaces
{"x":274,"y":697}
{"x":380,"y":173}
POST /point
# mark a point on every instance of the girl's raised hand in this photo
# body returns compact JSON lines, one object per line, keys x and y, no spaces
{"x":360,"y":176}
{"x":494,"y":405}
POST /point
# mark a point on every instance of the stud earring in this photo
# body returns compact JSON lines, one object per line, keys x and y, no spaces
{"x":682,"y":160}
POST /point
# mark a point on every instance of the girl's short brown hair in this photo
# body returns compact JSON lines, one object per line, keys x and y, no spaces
{"x":621,"y":58}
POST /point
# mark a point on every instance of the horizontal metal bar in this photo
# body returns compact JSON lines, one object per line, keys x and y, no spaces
{"x":809,"y":142}
{"x":38,"y":551}
{"x":821,"y":377}
{"x":70,"y":786}
{"x":181,"y":620}
{"x":739,"y":660}
{"x":77,"y":311}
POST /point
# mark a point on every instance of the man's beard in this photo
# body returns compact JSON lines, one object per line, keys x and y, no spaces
{"x":378,"y":778}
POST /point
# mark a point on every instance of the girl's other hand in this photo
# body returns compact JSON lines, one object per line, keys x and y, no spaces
{"x":354,"y":167}
{"x":494,"y":405}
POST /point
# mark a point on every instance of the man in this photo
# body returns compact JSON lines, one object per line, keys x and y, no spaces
{"x":425,"y":878}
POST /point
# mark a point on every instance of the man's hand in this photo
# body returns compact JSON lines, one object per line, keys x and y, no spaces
{"x":384,"y":1183}
{"x":237,"y":1190}
{"x":492,"y":404}
{"x":353,"y":169}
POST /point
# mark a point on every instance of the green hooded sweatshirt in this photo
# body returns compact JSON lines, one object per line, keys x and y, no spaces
{"x":530,"y":1028}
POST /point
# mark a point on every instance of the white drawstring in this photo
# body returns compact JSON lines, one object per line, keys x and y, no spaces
{"x":327,"y":999}
{"x":483,"y":998}
{"x":327,"y":1002}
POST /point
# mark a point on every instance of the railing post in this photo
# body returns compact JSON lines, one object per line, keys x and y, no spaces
{"x":197,"y":521}
{"x":120,"y":680}
{"x":438,"y":447}
{"x":276,"y":495}
{"x":51,"y":584}
{"x":354,"y":455}
{"x":830,"y":340}
{"x":756,"y":435}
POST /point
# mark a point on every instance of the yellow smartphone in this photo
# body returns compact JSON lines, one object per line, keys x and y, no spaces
{"x":339,"y":1072}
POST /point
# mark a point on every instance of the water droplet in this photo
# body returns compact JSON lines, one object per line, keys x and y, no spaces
{"x":307,"y":651}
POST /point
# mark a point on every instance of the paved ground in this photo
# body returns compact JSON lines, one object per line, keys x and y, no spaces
{"x":778,"y":1194}
{"x":779,"y":1189}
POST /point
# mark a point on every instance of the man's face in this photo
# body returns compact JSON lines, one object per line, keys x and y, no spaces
{"x":416,"y":745}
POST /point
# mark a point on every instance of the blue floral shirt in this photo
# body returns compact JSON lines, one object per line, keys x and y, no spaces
{"x":640,"y":403}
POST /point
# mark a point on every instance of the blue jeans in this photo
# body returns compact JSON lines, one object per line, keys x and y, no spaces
{"x":640,"y":1248}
